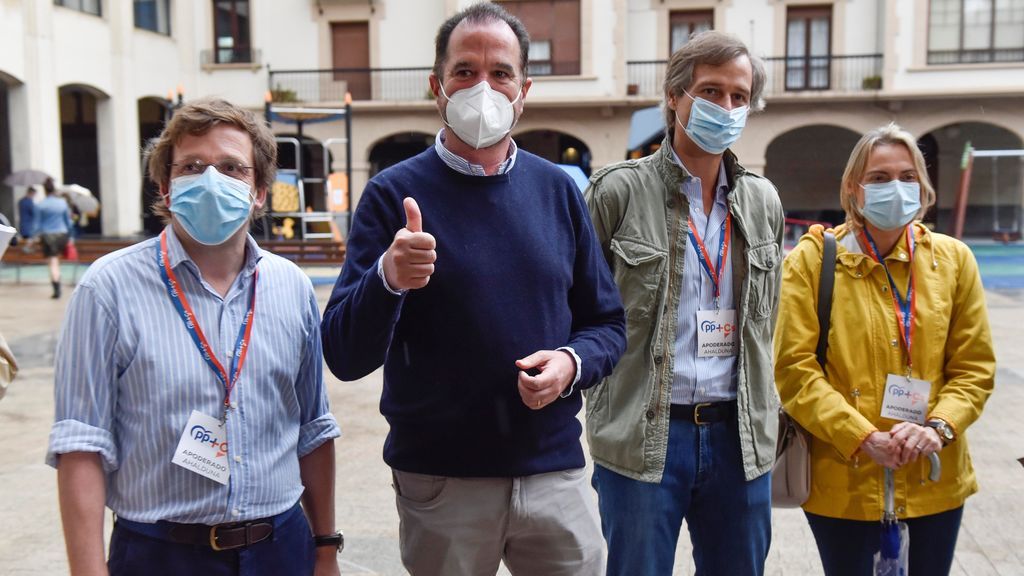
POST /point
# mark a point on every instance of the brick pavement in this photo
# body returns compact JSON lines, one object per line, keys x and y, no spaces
{"x":991,"y":541}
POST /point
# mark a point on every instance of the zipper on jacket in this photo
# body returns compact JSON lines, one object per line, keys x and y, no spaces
{"x":856,"y":406}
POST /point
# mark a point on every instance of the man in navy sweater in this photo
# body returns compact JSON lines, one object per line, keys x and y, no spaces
{"x":474,"y":276}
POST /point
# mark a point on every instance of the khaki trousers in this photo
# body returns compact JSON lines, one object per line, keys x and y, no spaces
{"x":541,"y":525}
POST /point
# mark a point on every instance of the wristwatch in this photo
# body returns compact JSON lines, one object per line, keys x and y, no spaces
{"x":337,"y":540}
{"x":944,"y":430}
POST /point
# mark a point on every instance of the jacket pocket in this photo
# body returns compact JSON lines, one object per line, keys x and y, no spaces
{"x":637,"y":269}
{"x":762,"y":277}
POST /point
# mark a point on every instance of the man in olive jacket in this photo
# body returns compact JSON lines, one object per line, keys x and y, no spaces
{"x":685,"y":427}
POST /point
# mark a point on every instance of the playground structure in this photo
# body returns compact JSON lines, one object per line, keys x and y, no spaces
{"x":306,"y":206}
{"x":1006,"y":234}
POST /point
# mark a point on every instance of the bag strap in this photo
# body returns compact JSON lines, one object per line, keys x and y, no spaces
{"x":825,"y":284}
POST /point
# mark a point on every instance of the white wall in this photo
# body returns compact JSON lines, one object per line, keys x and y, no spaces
{"x":82,"y":49}
{"x":406,"y":33}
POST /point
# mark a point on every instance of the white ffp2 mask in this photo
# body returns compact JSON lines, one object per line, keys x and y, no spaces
{"x":480,"y":115}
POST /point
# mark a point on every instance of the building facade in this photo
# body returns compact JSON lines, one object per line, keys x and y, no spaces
{"x":83,"y":84}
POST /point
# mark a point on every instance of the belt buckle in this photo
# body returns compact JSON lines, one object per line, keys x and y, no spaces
{"x":696,"y":413}
{"x":213,"y":538}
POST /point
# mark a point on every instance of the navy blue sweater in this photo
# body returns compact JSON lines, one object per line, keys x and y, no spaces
{"x":518,"y":270}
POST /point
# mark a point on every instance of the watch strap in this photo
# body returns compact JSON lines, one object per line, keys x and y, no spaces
{"x":944,"y":430}
{"x":336,"y":540}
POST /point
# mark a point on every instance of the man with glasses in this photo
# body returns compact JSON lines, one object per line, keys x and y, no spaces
{"x":189,"y":390}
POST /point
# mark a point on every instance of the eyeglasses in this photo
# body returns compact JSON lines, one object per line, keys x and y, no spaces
{"x":232,"y":168}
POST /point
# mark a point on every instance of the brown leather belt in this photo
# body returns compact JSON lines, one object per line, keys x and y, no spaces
{"x":219,"y":537}
{"x":705,"y":413}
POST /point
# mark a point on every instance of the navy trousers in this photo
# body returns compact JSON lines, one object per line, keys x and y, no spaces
{"x":288,"y":551}
{"x":847,"y":547}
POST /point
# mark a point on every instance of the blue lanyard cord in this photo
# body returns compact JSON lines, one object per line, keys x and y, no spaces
{"x":904,"y":306}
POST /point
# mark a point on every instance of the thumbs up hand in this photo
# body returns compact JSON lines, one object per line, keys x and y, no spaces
{"x":409,"y":261}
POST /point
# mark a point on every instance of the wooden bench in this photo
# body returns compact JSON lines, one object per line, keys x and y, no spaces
{"x":89,"y":250}
{"x":307,"y":252}
{"x":303,"y":253}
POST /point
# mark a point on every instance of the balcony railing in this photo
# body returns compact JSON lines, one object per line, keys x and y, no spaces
{"x":387,"y":84}
{"x":976,"y":56}
{"x":847,"y":74}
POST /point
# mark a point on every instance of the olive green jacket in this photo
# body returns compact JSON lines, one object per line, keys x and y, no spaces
{"x":639,"y":214}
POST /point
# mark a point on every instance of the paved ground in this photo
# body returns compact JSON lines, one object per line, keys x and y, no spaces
{"x":991,"y":541}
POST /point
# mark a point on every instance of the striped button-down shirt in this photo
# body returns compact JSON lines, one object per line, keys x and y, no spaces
{"x":128,"y":376}
{"x":695,"y":379}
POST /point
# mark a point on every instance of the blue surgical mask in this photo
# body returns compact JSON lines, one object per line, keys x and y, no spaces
{"x":891,"y":205}
{"x":712,"y":127}
{"x":210,"y":206}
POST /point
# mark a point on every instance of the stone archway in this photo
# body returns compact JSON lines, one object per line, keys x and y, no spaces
{"x":392,"y":149}
{"x":806,"y":165}
{"x":996,"y":187}
{"x":556,"y":146}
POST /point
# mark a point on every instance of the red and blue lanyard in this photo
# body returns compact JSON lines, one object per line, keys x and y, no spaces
{"x":188,"y":317}
{"x":715,"y":274}
{"x":904,"y":307}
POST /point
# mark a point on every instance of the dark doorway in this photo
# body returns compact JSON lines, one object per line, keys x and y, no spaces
{"x":152,"y":112}
{"x":79,"y":147}
{"x":6,"y":192}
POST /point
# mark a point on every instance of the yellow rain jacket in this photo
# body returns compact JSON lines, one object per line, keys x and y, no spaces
{"x":952,"y":349}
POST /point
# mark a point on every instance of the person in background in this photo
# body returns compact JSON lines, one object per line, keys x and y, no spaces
{"x":685,"y":427}
{"x":52,"y":225}
{"x":27,"y":213}
{"x":910,"y":363}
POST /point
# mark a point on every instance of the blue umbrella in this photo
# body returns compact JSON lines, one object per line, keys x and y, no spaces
{"x":893,"y":557}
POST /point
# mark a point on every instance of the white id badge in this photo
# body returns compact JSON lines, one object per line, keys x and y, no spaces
{"x":906,"y":398}
{"x":716,"y":333}
{"x":203,"y":448}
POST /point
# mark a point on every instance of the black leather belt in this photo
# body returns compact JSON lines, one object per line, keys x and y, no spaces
{"x":705,"y":413}
{"x":218,"y":537}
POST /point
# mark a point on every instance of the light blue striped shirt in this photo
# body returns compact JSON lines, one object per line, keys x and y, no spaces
{"x":695,"y":379}
{"x":128,"y":376}
{"x":463,"y":166}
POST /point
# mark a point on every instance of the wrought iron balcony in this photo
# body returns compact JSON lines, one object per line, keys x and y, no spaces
{"x":386,"y":84}
{"x":859,"y":73}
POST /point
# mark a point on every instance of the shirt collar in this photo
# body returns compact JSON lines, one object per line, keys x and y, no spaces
{"x":721,"y":185}
{"x":176,"y":252}
{"x":463,"y":166}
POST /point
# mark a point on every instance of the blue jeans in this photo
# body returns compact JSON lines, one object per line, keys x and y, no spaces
{"x":288,"y":551}
{"x":847,"y":547}
{"x":728,"y":517}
